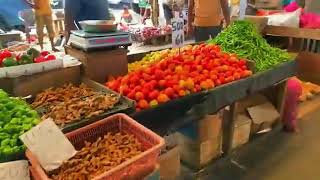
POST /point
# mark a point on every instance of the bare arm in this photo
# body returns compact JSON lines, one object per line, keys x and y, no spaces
{"x":29,"y":3}
{"x":33,"y":5}
{"x":225,"y":10}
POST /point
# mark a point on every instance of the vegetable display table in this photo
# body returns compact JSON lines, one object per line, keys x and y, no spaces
{"x":171,"y":116}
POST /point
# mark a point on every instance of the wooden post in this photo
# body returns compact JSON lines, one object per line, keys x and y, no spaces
{"x":228,"y":129}
{"x":155,"y":12}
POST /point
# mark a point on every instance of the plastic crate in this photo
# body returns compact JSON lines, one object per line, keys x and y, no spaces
{"x":131,"y":169}
{"x":12,"y":157}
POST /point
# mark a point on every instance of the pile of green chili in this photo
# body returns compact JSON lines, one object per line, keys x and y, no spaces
{"x":243,"y":39}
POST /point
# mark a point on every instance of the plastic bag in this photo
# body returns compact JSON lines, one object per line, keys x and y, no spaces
{"x":310,"y":20}
{"x":289,"y":19}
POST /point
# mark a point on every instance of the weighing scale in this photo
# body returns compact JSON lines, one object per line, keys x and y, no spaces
{"x":88,"y":41}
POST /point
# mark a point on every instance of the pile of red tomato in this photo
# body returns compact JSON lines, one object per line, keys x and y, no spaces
{"x":196,"y":68}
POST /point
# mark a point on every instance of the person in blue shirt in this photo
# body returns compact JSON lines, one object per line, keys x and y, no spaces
{"x":9,"y":10}
{"x":79,"y":10}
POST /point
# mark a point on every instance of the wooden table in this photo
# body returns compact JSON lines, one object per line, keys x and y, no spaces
{"x":310,"y":37}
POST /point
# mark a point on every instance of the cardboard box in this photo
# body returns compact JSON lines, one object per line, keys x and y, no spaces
{"x":253,"y":100}
{"x":207,"y":128}
{"x":241,"y":133}
{"x":262,"y":113}
{"x":197,"y":154}
{"x":263,"y":116}
{"x":170,"y":164}
{"x":33,"y":84}
{"x":99,"y":65}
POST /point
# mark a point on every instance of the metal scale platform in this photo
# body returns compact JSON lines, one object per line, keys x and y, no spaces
{"x":89,"y":41}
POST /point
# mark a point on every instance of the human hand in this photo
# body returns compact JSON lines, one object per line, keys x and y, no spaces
{"x":35,"y":6}
{"x":190,"y":30}
{"x":227,"y":21}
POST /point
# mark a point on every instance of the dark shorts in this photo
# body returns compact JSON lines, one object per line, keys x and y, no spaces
{"x":205,"y":33}
{"x":168,"y":15}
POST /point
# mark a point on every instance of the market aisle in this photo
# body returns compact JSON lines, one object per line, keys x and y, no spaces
{"x":275,"y":156}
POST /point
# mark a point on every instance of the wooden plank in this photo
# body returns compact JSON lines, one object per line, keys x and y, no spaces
{"x":282,"y":93}
{"x":293,"y":32}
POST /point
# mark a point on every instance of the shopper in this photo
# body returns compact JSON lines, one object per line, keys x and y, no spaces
{"x":235,"y":5}
{"x":171,"y":6}
{"x":167,"y":10}
{"x":207,"y":18}
{"x":126,"y":15}
{"x":290,"y":113}
{"x":79,"y":10}
{"x":43,"y":17}
{"x":9,"y":11}
{"x":28,"y":19}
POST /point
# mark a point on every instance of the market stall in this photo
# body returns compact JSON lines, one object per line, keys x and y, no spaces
{"x":197,"y":91}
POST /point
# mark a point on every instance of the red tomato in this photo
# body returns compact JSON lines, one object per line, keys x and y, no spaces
{"x":40,"y":59}
{"x":44,"y":53}
{"x":5,"y":53}
{"x":50,"y":57}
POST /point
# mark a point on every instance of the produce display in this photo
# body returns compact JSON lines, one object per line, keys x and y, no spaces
{"x":61,"y":94}
{"x":243,"y":39}
{"x":196,"y":68}
{"x":98,"y":157}
{"x":19,"y":47}
{"x":70,"y":104}
{"x":151,"y":58}
{"x":309,"y":90}
{"x":149,"y":32}
{"x":16,"y":117}
{"x":8,"y":58}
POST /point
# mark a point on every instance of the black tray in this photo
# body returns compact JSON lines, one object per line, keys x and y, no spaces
{"x":12,"y":157}
{"x":172,"y":115}
{"x":124,"y":105}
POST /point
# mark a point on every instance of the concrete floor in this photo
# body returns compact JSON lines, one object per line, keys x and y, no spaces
{"x":273,"y":156}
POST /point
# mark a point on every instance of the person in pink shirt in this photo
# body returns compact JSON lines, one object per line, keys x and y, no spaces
{"x":294,"y":91}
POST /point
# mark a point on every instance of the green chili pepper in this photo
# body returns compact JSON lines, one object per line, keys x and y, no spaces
{"x":243,"y":39}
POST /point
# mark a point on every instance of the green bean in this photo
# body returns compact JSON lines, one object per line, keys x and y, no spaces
{"x":243,"y":39}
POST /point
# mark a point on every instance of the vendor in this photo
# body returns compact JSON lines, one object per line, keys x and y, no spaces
{"x":207,"y":18}
{"x":79,"y":10}
{"x":167,"y":10}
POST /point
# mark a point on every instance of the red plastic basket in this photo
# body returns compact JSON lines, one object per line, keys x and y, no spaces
{"x":134,"y":168}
